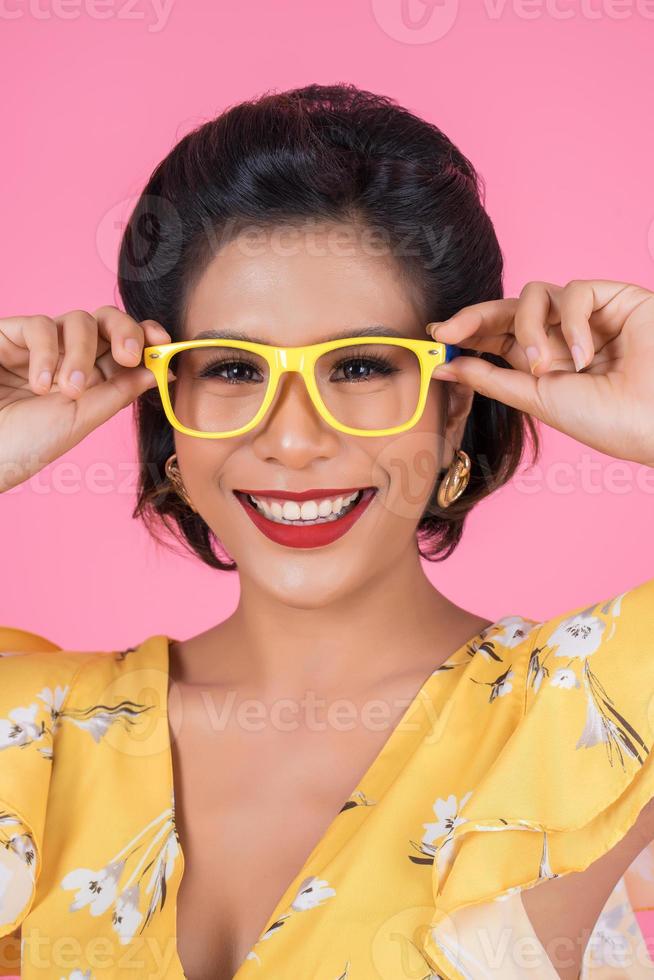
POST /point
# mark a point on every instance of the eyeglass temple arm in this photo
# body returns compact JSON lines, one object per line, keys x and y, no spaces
{"x":451,"y":351}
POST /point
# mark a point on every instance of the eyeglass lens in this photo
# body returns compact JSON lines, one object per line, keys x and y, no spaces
{"x":364,"y":386}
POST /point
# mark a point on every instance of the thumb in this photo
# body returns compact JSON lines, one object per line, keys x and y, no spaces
{"x":98,"y":403}
{"x":509,"y":385}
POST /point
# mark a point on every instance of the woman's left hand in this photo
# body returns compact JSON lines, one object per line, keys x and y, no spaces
{"x":605,"y":399}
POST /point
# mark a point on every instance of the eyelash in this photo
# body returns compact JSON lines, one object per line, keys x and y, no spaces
{"x":381,"y":363}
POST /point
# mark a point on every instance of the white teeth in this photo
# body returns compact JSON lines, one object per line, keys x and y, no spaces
{"x":309,"y":512}
{"x":291,"y":510}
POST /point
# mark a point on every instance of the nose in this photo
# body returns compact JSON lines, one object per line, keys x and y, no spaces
{"x":292,"y":432}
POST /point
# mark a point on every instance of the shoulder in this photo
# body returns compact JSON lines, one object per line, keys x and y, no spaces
{"x":571,"y":784}
{"x":45,"y":693}
{"x":37,"y":675}
{"x":42,"y":684}
{"x":611,"y":636}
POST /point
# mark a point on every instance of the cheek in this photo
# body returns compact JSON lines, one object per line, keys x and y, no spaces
{"x":411,"y":462}
{"x":203,"y":463}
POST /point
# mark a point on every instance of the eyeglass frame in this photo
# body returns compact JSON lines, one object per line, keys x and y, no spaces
{"x":300,"y":359}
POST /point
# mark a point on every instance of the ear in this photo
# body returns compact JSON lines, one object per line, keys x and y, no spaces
{"x":458,"y":399}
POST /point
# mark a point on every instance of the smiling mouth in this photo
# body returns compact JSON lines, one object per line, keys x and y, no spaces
{"x":317,"y":510}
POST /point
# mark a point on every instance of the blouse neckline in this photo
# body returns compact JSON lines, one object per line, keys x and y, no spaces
{"x":374,"y":774}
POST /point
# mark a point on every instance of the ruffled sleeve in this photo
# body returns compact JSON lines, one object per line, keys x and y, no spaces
{"x":568,"y":783}
{"x":35,"y":679}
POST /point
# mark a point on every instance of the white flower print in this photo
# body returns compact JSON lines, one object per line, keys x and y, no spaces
{"x":274,"y":928}
{"x":448,"y":817}
{"x":54,"y":700}
{"x":578,"y":636}
{"x":565,"y":678}
{"x":21,"y":844}
{"x":78,"y":975}
{"x":97,"y":889}
{"x":98,"y":719}
{"x":312,"y":892}
{"x":126,"y":916}
{"x":503,"y":685}
{"x":161,"y":872}
{"x":103,"y":890}
{"x":21,"y":728}
{"x":513,"y":630}
{"x":500,"y":686}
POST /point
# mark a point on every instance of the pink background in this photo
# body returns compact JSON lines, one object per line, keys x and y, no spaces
{"x":552,"y":103}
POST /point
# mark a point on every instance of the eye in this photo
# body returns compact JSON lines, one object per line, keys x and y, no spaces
{"x":364,"y":368}
{"x":232,"y":371}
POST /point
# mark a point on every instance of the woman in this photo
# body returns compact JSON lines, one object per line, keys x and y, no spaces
{"x":329,"y":758}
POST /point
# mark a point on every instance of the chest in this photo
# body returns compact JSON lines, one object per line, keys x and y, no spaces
{"x":252,"y":801}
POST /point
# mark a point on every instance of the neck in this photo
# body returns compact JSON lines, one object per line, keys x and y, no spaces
{"x":395,"y":623}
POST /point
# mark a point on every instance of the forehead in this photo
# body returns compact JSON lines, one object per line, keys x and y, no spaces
{"x":294,"y":285}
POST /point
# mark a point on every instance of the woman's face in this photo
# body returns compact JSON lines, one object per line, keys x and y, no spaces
{"x":296,"y":286}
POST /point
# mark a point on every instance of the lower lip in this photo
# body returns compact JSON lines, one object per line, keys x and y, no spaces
{"x":312,"y":536}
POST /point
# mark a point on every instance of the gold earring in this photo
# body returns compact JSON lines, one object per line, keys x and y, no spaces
{"x":455,"y":480}
{"x":175,"y":477}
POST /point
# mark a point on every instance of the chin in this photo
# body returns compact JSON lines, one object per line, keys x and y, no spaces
{"x":307,"y":580}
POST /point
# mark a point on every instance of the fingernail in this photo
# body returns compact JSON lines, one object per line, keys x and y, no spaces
{"x":132,"y":346}
{"x":444,"y":373}
{"x":533,"y":356}
{"x":578,"y":356}
{"x":77,"y":380}
{"x":44,"y":379}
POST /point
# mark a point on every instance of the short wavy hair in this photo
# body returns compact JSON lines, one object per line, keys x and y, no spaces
{"x":330,"y":153}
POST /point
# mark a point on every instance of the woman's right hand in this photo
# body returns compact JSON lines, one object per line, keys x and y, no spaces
{"x":40,"y":419}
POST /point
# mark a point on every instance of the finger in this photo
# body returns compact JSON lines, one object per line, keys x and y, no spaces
{"x":153,"y":333}
{"x":517,"y":389}
{"x":42,"y":337}
{"x":534,"y":311}
{"x":80,"y":343}
{"x":104,"y":400}
{"x":486,"y":327}
{"x":32,"y":348}
{"x":576,"y":303}
{"x":122,"y":332}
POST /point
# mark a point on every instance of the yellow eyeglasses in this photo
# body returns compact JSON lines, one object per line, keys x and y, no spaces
{"x":363,"y":386}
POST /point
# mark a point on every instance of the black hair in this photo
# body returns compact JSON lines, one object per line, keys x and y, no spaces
{"x":331,"y":153}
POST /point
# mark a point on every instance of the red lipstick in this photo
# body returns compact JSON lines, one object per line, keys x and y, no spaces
{"x":313,"y":535}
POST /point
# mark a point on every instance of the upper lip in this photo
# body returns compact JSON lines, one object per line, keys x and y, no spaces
{"x":305,"y":494}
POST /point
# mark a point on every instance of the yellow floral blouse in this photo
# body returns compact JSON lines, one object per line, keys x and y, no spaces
{"x":525,"y":755}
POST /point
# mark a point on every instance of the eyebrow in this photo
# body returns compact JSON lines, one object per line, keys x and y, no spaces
{"x":375,"y":330}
